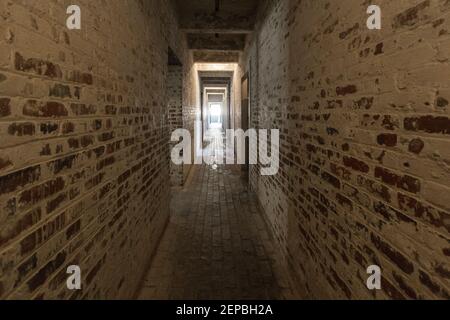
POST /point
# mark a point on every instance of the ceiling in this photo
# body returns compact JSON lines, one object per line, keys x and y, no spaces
{"x":216,"y":29}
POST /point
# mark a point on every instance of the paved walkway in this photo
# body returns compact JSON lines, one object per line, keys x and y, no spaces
{"x":217,"y":245}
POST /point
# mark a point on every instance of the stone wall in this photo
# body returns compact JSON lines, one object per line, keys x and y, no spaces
{"x":84,"y":144}
{"x":365,"y":124}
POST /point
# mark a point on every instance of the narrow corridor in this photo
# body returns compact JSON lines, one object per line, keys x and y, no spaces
{"x":217,"y":245}
{"x":113,"y":116}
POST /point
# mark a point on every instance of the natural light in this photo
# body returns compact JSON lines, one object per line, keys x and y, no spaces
{"x":215,"y":113}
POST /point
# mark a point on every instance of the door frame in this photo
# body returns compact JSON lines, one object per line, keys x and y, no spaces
{"x":246,"y":120}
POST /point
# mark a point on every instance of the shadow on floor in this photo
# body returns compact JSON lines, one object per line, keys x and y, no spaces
{"x":217,"y":245}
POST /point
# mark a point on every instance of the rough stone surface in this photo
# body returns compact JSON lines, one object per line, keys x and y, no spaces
{"x":211,"y":41}
{"x":216,"y":56}
{"x":217,"y":16}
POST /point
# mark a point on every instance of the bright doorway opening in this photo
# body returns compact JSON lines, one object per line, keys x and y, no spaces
{"x":215,"y":115}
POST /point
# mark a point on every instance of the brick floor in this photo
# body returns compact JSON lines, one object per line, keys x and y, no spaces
{"x":217,"y":245}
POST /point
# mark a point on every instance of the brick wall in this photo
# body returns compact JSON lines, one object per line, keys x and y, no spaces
{"x":84,"y":144}
{"x":365,"y":124}
{"x":191,"y":106}
{"x":175,"y":105}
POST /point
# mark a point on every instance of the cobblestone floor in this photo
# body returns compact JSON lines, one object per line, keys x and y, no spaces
{"x":217,"y":245}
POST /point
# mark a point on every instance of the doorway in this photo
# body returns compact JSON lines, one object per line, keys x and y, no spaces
{"x":215,"y":90}
{"x":215,"y":115}
{"x":245,"y":121}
